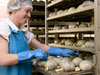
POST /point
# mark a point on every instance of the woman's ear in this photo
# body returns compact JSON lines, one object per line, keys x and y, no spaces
{"x":14,"y":10}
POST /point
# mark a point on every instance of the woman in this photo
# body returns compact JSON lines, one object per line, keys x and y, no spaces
{"x":15,"y":40}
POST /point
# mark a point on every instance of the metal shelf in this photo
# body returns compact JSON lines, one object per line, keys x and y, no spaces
{"x":38,"y":32}
{"x":50,"y":23}
{"x":56,"y":2}
{"x":36,"y":23}
{"x":61,"y":23}
{"x":62,"y":73}
{"x":64,"y":4}
{"x":37,"y":13}
{"x":38,"y":3}
{"x":86,"y":11}
{"x":74,"y":48}
{"x":72,"y":30}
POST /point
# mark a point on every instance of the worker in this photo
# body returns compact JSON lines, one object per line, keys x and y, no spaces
{"x":15,"y":39}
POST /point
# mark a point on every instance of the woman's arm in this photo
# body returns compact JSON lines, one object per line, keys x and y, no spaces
{"x":5,"y":58}
{"x":36,"y":44}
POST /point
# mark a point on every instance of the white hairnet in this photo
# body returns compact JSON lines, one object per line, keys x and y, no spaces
{"x":17,"y":4}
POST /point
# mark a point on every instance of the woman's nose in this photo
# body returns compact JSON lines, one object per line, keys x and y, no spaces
{"x":29,"y":14}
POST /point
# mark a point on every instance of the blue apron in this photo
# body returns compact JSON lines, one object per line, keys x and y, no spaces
{"x":17,"y":43}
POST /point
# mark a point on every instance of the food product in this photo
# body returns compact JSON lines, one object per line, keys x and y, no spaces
{"x":35,"y":20}
{"x":87,"y":3}
{"x":69,"y":42}
{"x":77,"y":69}
{"x":34,"y":61}
{"x":64,"y":61}
{"x":80,"y":6}
{"x":89,"y":44}
{"x":51,"y":14}
{"x":56,"y":41}
{"x":85,"y":65}
{"x":60,"y":12}
{"x":65,"y":27}
{"x":80,"y":43}
{"x":59,"y":70}
{"x":71,"y":9}
{"x":40,"y":63}
{"x":57,"y":60}
{"x":72,"y":26}
{"x":92,"y":25}
{"x":41,"y":1}
{"x":68,"y":66}
{"x":40,"y":20}
{"x":63,"y":41}
{"x":35,"y":10}
{"x":77,"y":61}
{"x":59,"y":28}
{"x":50,"y":65}
{"x":51,"y":57}
{"x":54,"y":13}
{"x":65,"y":11}
{"x":83,"y":25}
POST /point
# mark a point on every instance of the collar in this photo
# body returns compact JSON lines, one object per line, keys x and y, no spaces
{"x":13,"y":26}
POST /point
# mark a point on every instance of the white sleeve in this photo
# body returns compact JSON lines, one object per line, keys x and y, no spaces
{"x":4,"y":30}
{"x":29,"y":36}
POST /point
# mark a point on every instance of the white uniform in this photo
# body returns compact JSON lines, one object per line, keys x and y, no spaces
{"x":5,"y":31}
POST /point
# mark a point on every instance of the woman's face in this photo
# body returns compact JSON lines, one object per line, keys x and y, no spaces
{"x":23,"y":14}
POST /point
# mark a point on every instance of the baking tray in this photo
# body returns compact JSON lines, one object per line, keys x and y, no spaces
{"x":41,"y":70}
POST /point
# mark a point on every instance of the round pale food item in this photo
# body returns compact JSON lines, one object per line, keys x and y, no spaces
{"x":60,"y":12}
{"x":72,"y":26}
{"x":92,"y":25}
{"x":89,"y":44}
{"x":80,"y":6}
{"x":51,"y":14}
{"x":68,"y":66}
{"x":59,"y":27}
{"x":40,"y":63}
{"x":50,"y":65}
{"x":35,"y":20}
{"x":77,"y":61}
{"x":69,"y":42}
{"x":85,"y":65}
{"x":56,"y":41}
{"x":71,"y":9}
{"x":54,"y":13}
{"x":64,"y":60}
{"x":83,"y":25}
{"x":40,"y":20}
{"x":51,"y":57}
{"x":66,"y":10}
{"x":80,"y":43}
{"x":65,"y":27}
{"x":87,"y":3}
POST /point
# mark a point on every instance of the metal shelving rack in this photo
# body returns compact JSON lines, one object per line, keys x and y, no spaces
{"x":37,"y":15}
{"x":80,"y":14}
{"x":75,"y":15}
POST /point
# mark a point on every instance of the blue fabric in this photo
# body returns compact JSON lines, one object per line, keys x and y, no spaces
{"x":34,"y":54}
{"x":61,"y":52}
{"x":17,"y":43}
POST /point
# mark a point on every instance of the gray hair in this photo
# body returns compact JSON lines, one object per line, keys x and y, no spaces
{"x":16,"y":4}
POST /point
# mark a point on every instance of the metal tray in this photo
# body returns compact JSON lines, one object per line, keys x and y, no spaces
{"x":41,"y":70}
